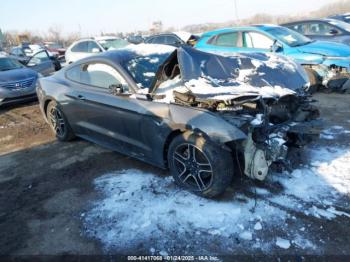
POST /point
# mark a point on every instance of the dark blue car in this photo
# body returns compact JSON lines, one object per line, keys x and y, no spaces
{"x":323,"y":29}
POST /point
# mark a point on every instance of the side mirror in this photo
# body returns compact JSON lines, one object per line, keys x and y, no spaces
{"x":95,"y":50}
{"x":333,"y":32}
{"x":118,"y":90}
{"x":276,"y":47}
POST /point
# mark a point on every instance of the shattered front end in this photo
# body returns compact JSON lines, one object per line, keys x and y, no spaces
{"x":271,"y":134}
{"x":262,"y":96}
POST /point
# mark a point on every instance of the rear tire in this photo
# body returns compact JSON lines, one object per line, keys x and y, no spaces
{"x":199,"y":165}
{"x":58,"y":122}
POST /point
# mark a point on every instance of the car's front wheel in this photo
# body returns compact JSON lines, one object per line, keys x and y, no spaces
{"x":58,"y":122}
{"x":200,"y":165}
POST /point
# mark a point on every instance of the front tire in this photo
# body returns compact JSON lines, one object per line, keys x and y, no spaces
{"x":58,"y":122}
{"x":199,"y":165}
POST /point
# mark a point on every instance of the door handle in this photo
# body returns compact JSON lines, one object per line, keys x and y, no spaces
{"x":81,"y":97}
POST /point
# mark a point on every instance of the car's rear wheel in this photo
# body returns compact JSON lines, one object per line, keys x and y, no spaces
{"x":58,"y":122}
{"x":199,"y":165}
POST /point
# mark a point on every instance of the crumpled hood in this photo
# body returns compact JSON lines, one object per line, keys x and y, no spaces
{"x":16,"y":75}
{"x":267,"y":74}
{"x":325,"y":48}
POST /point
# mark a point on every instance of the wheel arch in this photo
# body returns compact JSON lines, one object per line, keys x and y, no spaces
{"x":167,"y":143}
{"x":46,"y":103}
{"x":226,"y":144}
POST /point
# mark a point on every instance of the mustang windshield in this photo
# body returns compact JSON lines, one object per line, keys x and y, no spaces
{"x":143,"y":69}
{"x":289,"y":37}
{"x":9,"y":64}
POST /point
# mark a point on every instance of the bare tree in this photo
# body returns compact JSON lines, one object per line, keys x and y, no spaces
{"x":55,"y":34}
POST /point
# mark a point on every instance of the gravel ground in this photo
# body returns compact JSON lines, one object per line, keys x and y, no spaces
{"x":71,"y":198}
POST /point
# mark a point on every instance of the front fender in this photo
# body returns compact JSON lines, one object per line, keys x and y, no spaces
{"x":205,"y":122}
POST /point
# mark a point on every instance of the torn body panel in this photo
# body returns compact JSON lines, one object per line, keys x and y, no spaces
{"x":268,"y":104}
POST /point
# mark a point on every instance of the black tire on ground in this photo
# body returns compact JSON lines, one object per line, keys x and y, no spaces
{"x":58,"y":122}
{"x":192,"y":173}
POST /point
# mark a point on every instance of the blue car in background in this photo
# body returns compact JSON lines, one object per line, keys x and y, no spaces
{"x":327,"y":64}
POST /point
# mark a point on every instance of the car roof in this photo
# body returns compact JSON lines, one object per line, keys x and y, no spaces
{"x":183,"y":35}
{"x":96,"y":38}
{"x":241,"y":28}
{"x":345,"y":14}
{"x":311,"y":20}
{"x":106,"y":37}
{"x":131,"y":51}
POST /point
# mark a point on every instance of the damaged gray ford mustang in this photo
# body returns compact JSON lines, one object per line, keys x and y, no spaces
{"x":200,"y":115}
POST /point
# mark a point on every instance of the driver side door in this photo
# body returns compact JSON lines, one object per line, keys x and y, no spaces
{"x":42,"y":63}
{"x":100,"y":114}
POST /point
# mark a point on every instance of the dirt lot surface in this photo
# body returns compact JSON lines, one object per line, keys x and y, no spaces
{"x":53,"y":200}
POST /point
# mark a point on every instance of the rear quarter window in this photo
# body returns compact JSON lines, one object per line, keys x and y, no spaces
{"x":74,"y":73}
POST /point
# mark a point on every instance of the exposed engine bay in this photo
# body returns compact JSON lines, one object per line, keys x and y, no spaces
{"x":271,"y":126}
{"x":273,"y":118}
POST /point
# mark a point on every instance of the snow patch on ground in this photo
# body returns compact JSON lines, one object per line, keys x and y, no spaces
{"x":282,"y":243}
{"x":143,"y":209}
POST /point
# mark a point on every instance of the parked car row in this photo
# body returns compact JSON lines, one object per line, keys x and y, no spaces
{"x":327,"y":64}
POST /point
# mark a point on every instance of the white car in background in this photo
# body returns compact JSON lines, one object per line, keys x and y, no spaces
{"x":86,"y":47}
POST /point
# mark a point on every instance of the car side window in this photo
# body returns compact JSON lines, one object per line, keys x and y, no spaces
{"x":74,"y":73}
{"x":81,"y":47}
{"x":149,"y":40}
{"x":300,"y":28}
{"x":159,"y":40}
{"x":92,"y":45}
{"x":98,"y":75}
{"x":42,"y":56}
{"x":39,"y":58}
{"x":321,"y":29}
{"x":226,"y":39}
{"x":256,"y":40}
{"x":172,"y":40}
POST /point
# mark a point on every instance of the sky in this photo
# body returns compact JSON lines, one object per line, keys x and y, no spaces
{"x":95,"y":16}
